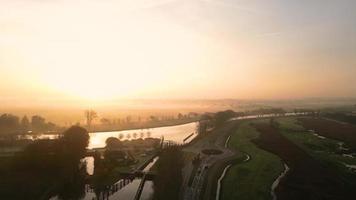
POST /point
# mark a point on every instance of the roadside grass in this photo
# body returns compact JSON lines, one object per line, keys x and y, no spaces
{"x":252,"y":179}
{"x":321,"y":149}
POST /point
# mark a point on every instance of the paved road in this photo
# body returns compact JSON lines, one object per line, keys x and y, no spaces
{"x":217,"y":139}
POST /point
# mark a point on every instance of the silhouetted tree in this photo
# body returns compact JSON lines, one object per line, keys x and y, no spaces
{"x":153,"y":118}
{"x":121,"y":136}
{"x":169,"y":174}
{"x":9,"y":123}
{"x":148,"y":134}
{"x":90,"y":115}
{"x":76,"y":140}
{"x":38,"y":123}
{"x":113,"y":143}
{"x":25,"y":123}
{"x":180,"y":116}
{"x":128,"y":119}
{"x":223,"y":116}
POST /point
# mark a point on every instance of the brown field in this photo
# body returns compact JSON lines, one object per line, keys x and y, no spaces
{"x":307,"y":178}
{"x":332,"y":129}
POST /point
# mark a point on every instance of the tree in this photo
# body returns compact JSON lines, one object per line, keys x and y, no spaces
{"x":9,"y":123}
{"x":38,"y":123}
{"x":180,"y":116}
{"x":121,"y":136}
{"x":128,"y":136}
{"x":202,"y":126}
{"x":90,"y":115}
{"x":148,"y":134}
{"x":25,"y":123}
{"x":168,"y":180}
{"x":128,"y":119}
{"x":223,"y":116}
{"x":76,"y":140}
{"x":113,"y":143}
{"x":153,"y":118}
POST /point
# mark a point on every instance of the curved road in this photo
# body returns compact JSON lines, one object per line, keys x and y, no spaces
{"x":202,"y":186}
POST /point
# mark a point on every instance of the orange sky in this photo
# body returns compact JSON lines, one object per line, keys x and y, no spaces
{"x":95,"y":50}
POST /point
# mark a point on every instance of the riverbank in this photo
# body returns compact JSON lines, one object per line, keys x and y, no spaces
{"x":147,"y":125}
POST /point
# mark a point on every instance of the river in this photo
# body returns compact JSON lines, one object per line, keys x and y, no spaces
{"x":128,"y":188}
{"x":175,"y":133}
{"x":171,"y":133}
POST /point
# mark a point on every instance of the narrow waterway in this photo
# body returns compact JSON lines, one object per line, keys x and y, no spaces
{"x":218,"y":189}
{"x":276,"y":182}
{"x":129,"y":189}
{"x":227,"y":141}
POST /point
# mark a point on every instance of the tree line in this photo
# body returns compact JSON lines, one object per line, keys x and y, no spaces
{"x":12,"y":124}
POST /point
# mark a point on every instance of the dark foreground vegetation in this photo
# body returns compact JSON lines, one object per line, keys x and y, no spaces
{"x":47,"y":167}
{"x":168,"y":181}
{"x":308,"y":178}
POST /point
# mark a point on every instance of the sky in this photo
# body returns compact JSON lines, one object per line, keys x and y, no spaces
{"x":54,"y":51}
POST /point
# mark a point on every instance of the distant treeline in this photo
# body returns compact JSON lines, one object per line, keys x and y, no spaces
{"x":95,"y":123}
{"x":217,"y":119}
{"x":342,"y":117}
{"x":12,"y":124}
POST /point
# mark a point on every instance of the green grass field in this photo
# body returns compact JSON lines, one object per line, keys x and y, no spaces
{"x":252,"y":179}
{"x":321,"y":149}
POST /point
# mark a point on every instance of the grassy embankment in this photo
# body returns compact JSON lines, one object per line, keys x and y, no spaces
{"x":252,"y":179}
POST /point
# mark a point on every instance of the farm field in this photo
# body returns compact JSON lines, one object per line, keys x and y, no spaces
{"x":313,"y":142}
{"x":316,"y":163}
{"x":308,"y":178}
{"x":332,"y":129}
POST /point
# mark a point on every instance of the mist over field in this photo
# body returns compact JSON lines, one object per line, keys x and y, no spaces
{"x":177,"y":100}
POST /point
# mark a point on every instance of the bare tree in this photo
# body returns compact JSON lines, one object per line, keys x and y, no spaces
{"x":90,"y":115}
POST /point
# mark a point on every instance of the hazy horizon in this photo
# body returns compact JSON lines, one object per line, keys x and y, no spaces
{"x":87,"y":53}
